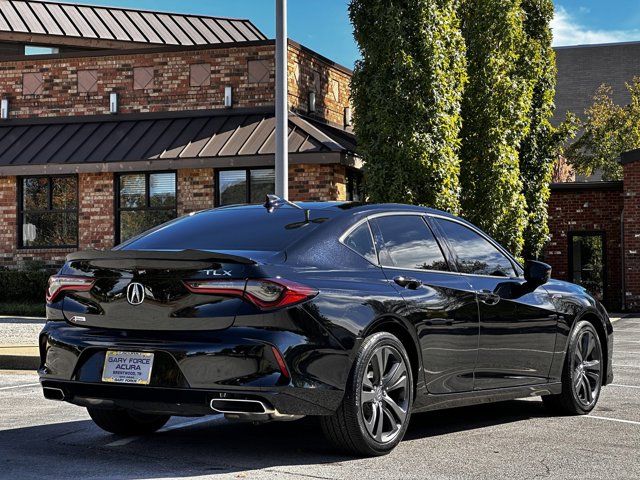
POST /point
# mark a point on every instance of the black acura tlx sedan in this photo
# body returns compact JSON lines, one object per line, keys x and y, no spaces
{"x":357,"y":314}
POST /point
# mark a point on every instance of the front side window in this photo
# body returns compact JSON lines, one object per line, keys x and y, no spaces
{"x":245,"y":185}
{"x":475,"y":254}
{"x":49,"y":212}
{"x":145,"y":200}
{"x":407,"y":242}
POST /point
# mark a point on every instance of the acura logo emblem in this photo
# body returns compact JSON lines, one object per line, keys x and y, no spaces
{"x":135,"y":293}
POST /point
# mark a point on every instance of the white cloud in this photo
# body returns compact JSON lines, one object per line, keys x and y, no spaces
{"x":568,"y":31}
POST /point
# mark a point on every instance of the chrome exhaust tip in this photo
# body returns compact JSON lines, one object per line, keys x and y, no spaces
{"x":51,"y":393}
{"x":240,"y":406}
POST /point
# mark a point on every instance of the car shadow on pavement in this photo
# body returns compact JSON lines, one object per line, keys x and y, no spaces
{"x":80,"y":449}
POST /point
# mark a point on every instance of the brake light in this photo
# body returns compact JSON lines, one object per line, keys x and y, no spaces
{"x":58,"y":284}
{"x":266,"y":294}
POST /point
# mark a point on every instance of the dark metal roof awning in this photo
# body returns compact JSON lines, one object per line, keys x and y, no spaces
{"x":160,"y":141}
{"x":48,"y":22}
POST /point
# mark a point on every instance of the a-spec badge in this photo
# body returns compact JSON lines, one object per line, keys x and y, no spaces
{"x":78,"y":319}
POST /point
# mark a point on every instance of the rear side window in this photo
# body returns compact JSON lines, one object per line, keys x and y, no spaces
{"x":475,"y":254}
{"x":361,"y":242}
{"x":408,"y":243}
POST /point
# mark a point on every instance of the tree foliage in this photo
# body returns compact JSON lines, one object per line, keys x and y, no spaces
{"x":407,"y":92}
{"x":608,"y":130}
{"x":496,"y":110}
{"x":543,"y":144}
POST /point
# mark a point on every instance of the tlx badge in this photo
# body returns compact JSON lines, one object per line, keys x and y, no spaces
{"x":218,"y":273}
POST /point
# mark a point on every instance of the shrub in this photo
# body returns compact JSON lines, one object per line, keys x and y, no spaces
{"x":25,"y":286}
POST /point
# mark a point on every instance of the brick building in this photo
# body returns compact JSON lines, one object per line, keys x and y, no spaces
{"x":115,"y":120}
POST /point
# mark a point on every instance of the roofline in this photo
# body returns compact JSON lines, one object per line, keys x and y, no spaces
{"x":129,"y":9}
{"x":157,"y":48}
{"x":573,"y":186}
{"x":596,"y":45}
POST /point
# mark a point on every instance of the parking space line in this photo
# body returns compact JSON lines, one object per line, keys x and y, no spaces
{"x":619,"y":365}
{"x":623,"y":386}
{"x":176,"y":426}
{"x":612,"y":419}
{"x":19,"y":386}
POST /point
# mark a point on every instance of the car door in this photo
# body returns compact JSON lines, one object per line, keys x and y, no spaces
{"x":438,"y":302}
{"x":518,"y":323}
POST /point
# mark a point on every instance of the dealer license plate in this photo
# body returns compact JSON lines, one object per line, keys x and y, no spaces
{"x":127,"y":367}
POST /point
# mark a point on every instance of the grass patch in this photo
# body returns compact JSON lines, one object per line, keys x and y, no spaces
{"x":21,"y":309}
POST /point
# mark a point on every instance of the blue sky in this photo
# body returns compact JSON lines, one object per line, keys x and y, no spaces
{"x":323,"y":25}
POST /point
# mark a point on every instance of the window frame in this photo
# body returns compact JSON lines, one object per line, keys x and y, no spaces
{"x":518,"y":270}
{"x":117,"y":208}
{"x":588,"y":233}
{"x":21,"y":211}
{"x":349,"y":232}
{"x":247,"y":179}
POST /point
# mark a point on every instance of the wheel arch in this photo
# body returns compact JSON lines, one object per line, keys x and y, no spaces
{"x":406,"y":334}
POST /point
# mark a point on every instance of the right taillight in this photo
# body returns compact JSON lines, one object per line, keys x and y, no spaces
{"x":59,"y":283}
{"x":266,"y":294}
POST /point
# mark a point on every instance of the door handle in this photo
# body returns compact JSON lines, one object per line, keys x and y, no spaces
{"x":488,"y":297}
{"x":408,"y":282}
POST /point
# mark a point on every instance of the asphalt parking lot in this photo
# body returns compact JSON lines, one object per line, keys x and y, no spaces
{"x":43,"y":439}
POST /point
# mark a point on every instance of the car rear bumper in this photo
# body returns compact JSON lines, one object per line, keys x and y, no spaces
{"x":192,"y":368}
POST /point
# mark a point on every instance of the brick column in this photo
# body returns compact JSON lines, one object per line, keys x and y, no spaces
{"x":195,"y":190}
{"x":8,"y":219}
{"x":632,"y":234}
{"x":96,"y":223}
{"x":317,"y":183}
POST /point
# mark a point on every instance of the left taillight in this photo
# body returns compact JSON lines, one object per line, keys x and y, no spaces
{"x":266,"y":294}
{"x":59,"y":283}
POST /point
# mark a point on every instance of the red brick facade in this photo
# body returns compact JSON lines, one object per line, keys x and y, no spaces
{"x":632,"y":235}
{"x":575,"y":208}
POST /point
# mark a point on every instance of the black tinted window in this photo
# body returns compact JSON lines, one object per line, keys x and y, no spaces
{"x":475,"y":254}
{"x":244,"y":228}
{"x":409,"y":243}
{"x":360,"y":241}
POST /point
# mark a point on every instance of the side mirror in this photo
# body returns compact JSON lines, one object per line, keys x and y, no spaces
{"x":536,"y":273}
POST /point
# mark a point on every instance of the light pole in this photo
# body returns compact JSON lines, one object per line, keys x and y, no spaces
{"x":282,"y":102}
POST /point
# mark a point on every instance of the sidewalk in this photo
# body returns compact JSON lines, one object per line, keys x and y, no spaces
{"x":19,"y":342}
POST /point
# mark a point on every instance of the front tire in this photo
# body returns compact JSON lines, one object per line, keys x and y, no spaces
{"x":375,"y":411}
{"x":127,"y":422}
{"x":581,"y":375}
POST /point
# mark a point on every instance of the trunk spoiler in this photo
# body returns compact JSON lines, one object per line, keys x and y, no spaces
{"x":157,"y":259}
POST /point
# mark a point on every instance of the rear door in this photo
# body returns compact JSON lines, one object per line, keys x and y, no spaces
{"x":438,"y":302}
{"x":517,"y":323}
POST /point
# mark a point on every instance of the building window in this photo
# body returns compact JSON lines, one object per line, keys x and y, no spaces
{"x":586,"y":261}
{"x":87,"y":81}
{"x":145,"y":200}
{"x":48,"y":216}
{"x":38,"y":50}
{"x":355,"y":190}
{"x":245,"y":186}
{"x":142,"y":78}
{"x":200,"y":75}
{"x":32,"y":83}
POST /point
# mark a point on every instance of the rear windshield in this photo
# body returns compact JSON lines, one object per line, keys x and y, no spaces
{"x":244,"y":228}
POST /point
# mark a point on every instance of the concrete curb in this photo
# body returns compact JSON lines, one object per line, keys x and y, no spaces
{"x":19,"y":358}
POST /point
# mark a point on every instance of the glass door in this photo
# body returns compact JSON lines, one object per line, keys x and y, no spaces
{"x":586,"y":261}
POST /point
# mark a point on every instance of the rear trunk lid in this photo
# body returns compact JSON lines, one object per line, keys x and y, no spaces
{"x":145,"y":290}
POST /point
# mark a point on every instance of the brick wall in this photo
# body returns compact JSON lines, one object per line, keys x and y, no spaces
{"x":96,"y":211}
{"x":195,"y":190}
{"x":314,"y":182}
{"x":172,"y":89}
{"x":595,"y":209}
{"x":632,"y":235}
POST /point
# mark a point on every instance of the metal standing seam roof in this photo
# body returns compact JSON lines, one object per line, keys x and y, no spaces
{"x":92,"y":22}
{"x":144,"y":137}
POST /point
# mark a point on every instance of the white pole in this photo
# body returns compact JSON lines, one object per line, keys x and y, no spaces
{"x":282,"y":103}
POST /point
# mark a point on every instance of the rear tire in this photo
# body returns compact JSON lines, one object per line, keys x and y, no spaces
{"x":581,"y":375}
{"x":127,"y":422}
{"x":375,"y":411}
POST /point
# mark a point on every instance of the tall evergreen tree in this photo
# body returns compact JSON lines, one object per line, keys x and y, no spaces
{"x":406,"y":92}
{"x":496,"y":110}
{"x":541,"y":146}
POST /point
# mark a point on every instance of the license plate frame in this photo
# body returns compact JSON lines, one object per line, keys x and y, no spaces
{"x":125,"y":367}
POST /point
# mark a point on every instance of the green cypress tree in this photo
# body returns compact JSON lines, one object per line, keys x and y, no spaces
{"x":496,"y":109}
{"x":406,"y":92}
